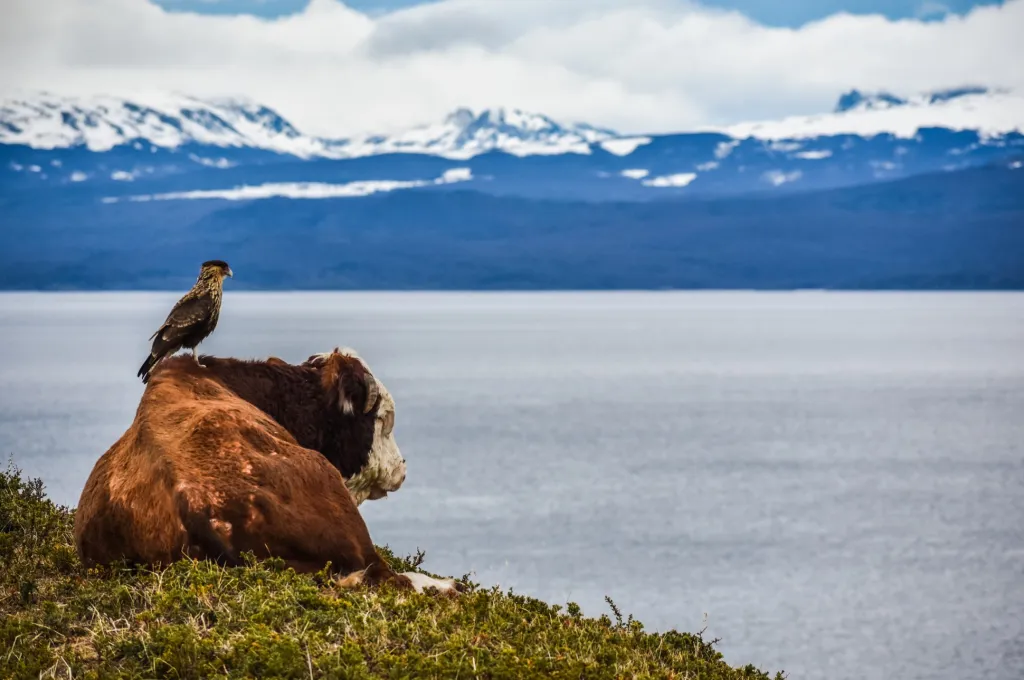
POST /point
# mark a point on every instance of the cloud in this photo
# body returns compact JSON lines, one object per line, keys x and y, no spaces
{"x":634,"y":65}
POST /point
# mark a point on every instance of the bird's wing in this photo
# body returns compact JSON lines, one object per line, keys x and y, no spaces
{"x":189,"y":311}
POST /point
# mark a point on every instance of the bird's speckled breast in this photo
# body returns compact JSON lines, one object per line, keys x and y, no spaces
{"x":215,"y":293}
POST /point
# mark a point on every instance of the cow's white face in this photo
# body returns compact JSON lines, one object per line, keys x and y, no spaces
{"x":384,"y":471}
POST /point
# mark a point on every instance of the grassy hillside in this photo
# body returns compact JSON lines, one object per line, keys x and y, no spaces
{"x":196,"y":620}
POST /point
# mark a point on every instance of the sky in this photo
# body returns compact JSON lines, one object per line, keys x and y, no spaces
{"x":336,"y":68}
{"x":790,"y":13}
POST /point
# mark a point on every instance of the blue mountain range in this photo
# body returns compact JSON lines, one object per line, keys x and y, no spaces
{"x":882,"y":192}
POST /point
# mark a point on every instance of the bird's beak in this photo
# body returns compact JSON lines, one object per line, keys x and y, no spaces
{"x":230,"y":273}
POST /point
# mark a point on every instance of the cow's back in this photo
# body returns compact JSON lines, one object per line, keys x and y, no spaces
{"x":203,"y":473}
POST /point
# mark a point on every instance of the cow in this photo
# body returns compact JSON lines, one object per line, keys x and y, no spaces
{"x":230,"y":456}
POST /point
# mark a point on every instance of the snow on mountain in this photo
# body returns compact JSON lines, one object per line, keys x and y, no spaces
{"x":623,"y":146}
{"x":989,"y":112}
{"x":100,"y":123}
{"x":300,"y":190}
{"x":681,"y":179}
{"x":465,"y":133}
{"x":208,"y":130}
{"x":855,"y":99}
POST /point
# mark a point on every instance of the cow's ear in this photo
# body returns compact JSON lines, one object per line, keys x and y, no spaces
{"x":357,"y":389}
{"x":349,"y":384}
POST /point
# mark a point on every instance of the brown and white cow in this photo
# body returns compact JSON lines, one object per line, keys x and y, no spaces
{"x":249,"y":456}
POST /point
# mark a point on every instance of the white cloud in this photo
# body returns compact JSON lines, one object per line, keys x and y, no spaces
{"x":635,"y":65}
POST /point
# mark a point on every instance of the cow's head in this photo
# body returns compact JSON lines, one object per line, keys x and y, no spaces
{"x":349,"y":381}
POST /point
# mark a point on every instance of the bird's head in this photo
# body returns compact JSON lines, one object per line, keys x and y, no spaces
{"x":215,"y":269}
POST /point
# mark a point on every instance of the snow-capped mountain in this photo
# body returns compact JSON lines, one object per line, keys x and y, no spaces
{"x":883,"y":191}
{"x":101,"y":123}
{"x":172,"y":121}
{"x":180,"y":146}
{"x":466,"y":133}
{"x":988,"y":112}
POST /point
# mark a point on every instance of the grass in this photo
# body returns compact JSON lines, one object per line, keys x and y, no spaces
{"x":197,"y":620}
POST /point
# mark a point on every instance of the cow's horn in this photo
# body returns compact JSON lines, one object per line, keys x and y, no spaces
{"x":372,"y":392}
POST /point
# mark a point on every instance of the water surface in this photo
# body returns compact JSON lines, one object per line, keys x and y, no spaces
{"x":835,"y":480}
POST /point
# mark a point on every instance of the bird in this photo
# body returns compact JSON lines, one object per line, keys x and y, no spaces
{"x":192,"y":318}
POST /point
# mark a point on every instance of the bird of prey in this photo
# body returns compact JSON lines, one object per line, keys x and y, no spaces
{"x":192,"y":319}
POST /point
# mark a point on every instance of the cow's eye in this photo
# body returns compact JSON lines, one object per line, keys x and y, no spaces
{"x":389,"y":423}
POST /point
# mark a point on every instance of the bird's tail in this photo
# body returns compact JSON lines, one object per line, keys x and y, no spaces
{"x":147,"y":366}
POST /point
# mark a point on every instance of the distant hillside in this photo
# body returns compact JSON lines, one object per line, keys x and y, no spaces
{"x":884,"y":191}
{"x":958,"y":230}
{"x":181,"y":146}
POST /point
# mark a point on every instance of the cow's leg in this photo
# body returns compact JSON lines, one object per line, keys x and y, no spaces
{"x":308,"y":530}
{"x":203,"y":541}
{"x":341,"y":539}
{"x":376,"y":573}
{"x":315,"y":524}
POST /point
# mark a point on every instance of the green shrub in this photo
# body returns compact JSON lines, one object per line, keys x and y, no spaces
{"x":197,"y":620}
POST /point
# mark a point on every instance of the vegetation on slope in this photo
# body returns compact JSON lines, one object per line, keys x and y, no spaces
{"x":197,"y":620}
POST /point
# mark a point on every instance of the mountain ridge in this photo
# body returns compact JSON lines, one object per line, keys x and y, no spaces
{"x":172,"y":120}
{"x":192,"y":149}
{"x":990,"y":112}
{"x":101,"y":123}
{"x":943,"y":230}
{"x":506,"y":199}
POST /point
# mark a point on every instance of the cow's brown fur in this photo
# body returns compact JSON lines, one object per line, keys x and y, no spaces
{"x":307,"y":402}
{"x":226,"y":458}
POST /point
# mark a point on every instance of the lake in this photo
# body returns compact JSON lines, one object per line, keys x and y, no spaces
{"x":834,"y":480}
